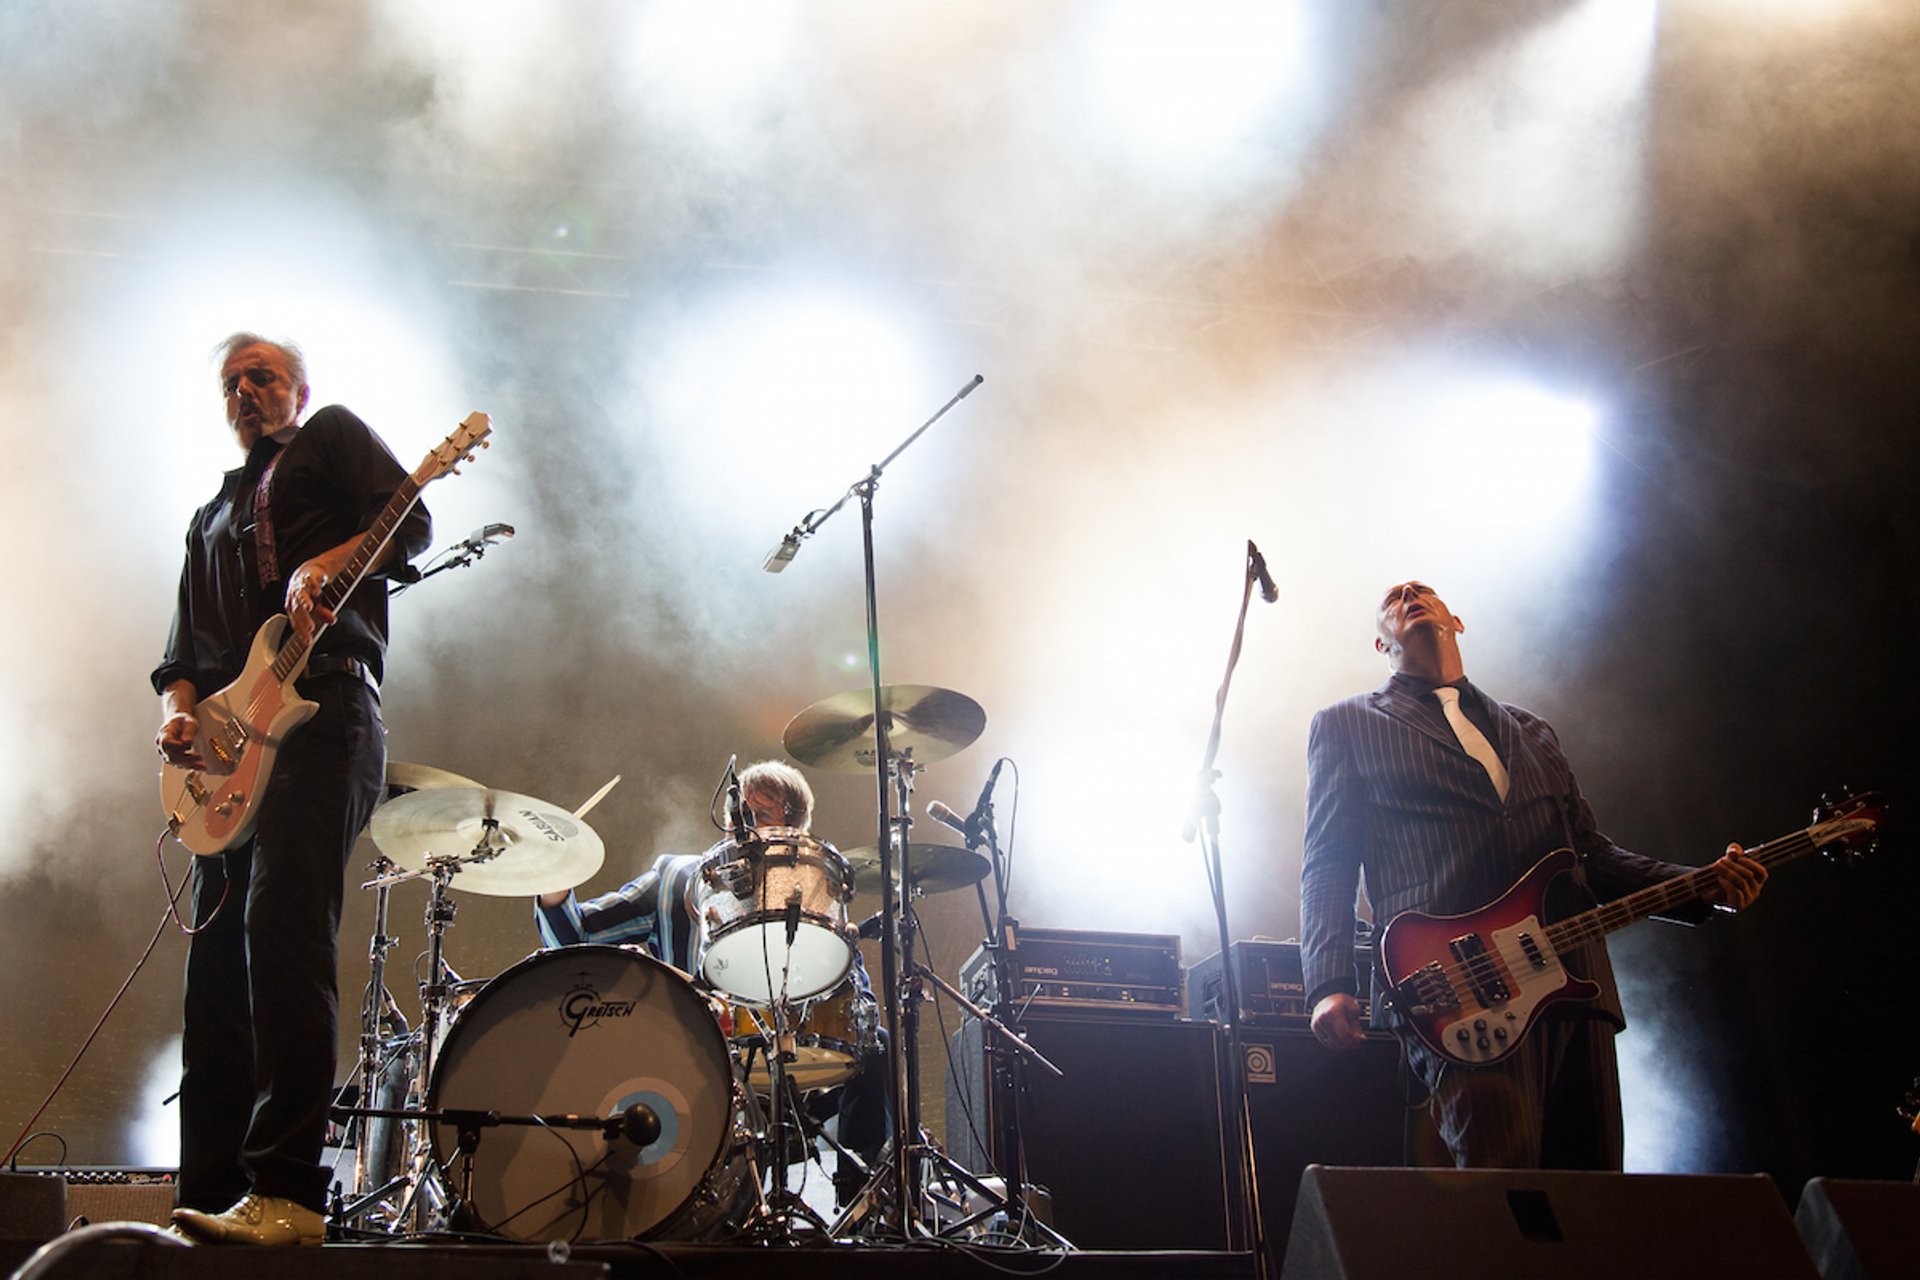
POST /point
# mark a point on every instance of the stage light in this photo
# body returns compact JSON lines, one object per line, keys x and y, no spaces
{"x":776,"y":396}
{"x":1531,"y":157}
{"x":1183,"y":90}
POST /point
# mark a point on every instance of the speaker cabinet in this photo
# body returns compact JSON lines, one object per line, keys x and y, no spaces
{"x":1128,"y":1141}
{"x":1861,"y":1230}
{"x":1443,"y":1224}
{"x":1311,"y":1105}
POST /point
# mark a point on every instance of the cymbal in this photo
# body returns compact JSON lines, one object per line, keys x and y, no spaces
{"x":537,"y":847}
{"x":936,"y":867}
{"x":403,"y":777}
{"x":837,"y":733}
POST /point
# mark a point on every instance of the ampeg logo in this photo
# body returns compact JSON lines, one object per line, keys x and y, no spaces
{"x":1259,"y":1063}
{"x":582,"y":1006}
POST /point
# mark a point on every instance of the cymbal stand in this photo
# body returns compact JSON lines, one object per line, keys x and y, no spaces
{"x":376,"y":1012}
{"x":905,"y":1194}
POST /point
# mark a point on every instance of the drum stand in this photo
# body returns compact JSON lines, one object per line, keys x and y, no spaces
{"x":775,"y":1218}
{"x":376,"y":1015}
{"x":422,"y":1199}
{"x":915,"y":1154}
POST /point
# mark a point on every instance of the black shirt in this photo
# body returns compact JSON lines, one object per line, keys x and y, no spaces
{"x":332,"y":484}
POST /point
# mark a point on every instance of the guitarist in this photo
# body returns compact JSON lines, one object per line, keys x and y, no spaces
{"x":1444,"y":820}
{"x":260,"y":1035}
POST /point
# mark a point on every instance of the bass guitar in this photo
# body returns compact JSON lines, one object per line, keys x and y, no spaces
{"x":1471,"y":986}
{"x":214,"y":805}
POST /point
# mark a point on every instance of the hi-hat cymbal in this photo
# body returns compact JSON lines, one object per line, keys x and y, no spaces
{"x":403,"y":777}
{"x":936,"y":867}
{"x":837,"y":733}
{"x":536,"y":847}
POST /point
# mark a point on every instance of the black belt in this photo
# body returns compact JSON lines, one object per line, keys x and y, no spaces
{"x":330,"y":664}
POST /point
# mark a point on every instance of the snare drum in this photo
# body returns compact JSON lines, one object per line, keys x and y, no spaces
{"x":834,"y":1032}
{"x":773,"y":917}
{"x":592,"y":1030}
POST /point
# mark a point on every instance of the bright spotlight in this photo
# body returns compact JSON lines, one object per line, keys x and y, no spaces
{"x":1520,"y":437}
{"x":776,"y":392}
{"x":1182,"y":88}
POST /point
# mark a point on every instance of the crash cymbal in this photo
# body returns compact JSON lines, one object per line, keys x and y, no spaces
{"x":536,"y":847}
{"x":936,"y":867}
{"x":403,"y":777}
{"x":837,"y":733}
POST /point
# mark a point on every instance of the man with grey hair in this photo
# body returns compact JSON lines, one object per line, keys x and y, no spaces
{"x":262,"y":999}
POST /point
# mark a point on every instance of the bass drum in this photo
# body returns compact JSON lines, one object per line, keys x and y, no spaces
{"x":591,"y":1031}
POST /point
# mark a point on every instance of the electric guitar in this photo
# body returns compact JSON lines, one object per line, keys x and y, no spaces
{"x":1471,"y":986}
{"x":213,"y":807}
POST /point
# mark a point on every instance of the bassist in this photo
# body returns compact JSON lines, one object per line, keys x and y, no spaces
{"x":1444,"y":797}
{"x":261,"y":987}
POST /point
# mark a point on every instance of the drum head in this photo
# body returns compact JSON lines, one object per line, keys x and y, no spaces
{"x":589,"y":1031}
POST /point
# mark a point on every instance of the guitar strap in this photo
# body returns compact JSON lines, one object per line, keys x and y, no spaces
{"x":266,"y":557}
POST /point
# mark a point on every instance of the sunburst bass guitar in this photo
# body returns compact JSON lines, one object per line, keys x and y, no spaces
{"x":1471,"y":986}
{"x":214,"y":806}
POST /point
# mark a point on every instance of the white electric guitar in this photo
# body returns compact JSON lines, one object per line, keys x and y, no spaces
{"x":213,"y":806}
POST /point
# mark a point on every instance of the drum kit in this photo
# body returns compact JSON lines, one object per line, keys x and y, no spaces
{"x":593,"y":1092}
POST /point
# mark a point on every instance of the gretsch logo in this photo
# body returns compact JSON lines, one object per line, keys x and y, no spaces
{"x":582,"y":1007}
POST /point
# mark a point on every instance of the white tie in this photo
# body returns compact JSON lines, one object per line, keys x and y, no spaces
{"x":1471,"y":739}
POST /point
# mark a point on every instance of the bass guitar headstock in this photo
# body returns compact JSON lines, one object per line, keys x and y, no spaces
{"x":1847,"y":828}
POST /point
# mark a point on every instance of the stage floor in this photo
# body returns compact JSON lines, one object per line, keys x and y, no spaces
{"x":99,"y":1257}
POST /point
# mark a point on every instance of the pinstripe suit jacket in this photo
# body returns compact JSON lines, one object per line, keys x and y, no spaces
{"x":1391,"y":792}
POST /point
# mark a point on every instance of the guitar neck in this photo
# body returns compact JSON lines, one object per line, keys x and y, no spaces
{"x":1596,"y":923}
{"x":372,"y":544}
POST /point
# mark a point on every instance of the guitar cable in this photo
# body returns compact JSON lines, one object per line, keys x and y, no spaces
{"x":170,"y":914}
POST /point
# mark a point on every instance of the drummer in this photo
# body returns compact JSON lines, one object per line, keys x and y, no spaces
{"x":655,"y":910}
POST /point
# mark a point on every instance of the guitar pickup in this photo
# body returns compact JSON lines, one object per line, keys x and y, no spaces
{"x":1482,"y":968}
{"x":1531,"y":946}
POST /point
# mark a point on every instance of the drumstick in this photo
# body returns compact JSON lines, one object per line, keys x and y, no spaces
{"x":598,"y":796}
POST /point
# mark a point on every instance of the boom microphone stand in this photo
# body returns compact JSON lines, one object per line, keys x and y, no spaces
{"x":903,"y":1176}
{"x":1203,"y":819}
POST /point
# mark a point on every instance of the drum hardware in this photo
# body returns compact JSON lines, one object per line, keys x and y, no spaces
{"x":985,"y":1200}
{"x":772,"y":916}
{"x":937,"y":868}
{"x":929,"y":723}
{"x":517,"y":846}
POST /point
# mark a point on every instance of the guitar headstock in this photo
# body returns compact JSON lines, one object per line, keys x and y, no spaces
{"x":445,"y":458}
{"x":1847,"y":828}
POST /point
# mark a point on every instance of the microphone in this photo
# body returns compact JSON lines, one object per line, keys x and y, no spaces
{"x":638,"y":1124}
{"x":1268,"y":591}
{"x":793,"y":917}
{"x":781,"y":556}
{"x":974,"y":823}
{"x":738,"y":819}
{"x":479,"y":538}
{"x":946,"y":817}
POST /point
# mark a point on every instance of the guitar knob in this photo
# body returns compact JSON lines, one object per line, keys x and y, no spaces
{"x":1500,"y":1034}
{"x":1462,"y":1034}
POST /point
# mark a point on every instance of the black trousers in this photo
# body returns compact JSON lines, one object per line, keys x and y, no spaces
{"x":1553,"y":1104}
{"x":262,"y":986}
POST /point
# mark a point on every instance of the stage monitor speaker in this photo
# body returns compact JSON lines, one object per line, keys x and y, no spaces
{"x":1861,"y":1230}
{"x":1128,"y":1141}
{"x":1312,"y":1105}
{"x":1455,"y":1224}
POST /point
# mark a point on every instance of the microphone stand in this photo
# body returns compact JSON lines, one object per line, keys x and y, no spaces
{"x":1245,"y":1228}
{"x":906,"y":1192}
